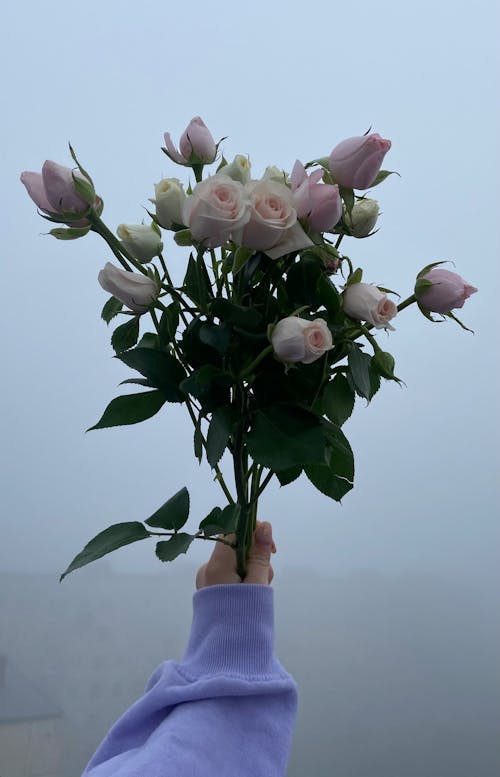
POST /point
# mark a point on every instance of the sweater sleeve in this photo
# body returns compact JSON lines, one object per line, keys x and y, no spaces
{"x":227,"y":710}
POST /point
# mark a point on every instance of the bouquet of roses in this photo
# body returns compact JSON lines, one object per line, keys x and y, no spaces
{"x":271,"y":335}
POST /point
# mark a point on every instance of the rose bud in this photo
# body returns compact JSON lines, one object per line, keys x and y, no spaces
{"x":365,"y":302}
{"x":447,"y":290}
{"x":296,"y":340}
{"x":274,"y":173}
{"x":169,"y":200}
{"x":238,"y":170}
{"x":54,"y":189}
{"x":140,"y":240}
{"x":135,"y":290}
{"x":196,"y":144}
{"x":355,"y":162}
{"x":362,"y":218}
{"x":320,"y":203}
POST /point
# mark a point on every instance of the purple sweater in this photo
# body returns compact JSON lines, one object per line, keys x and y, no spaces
{"x":227,"y":710}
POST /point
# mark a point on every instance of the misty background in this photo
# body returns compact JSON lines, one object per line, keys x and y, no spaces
{"x":387,"y":605}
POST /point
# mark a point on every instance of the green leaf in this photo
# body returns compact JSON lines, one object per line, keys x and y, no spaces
{"x":348,"y":197}
{"x":197,"y":282}
{"x":200,"y":381}
{"x":322,"y":477}
{"x":111,"y":309}
{"x":160,"y":368}
{"x":282,"y":436}
{"x":340,"y":457}
{"x":219,"y":432}
{"x":338,"y":400}
{"x":355,"y":277}
{"x":167,"y":550}
{"x":221,"y":521}
{"x":302,"y":281}
{"x":241,"y":257}
{"x":131,"y":409}
{"x":359,"y":365}
{"x":216,"y":336}
{"x":125,"y":336}
{"x":335,"y":476}
{"x":137,"y":382}
{"x":110,"y":539}
{"x":381,"y":176}
{"x":168,"y":323}
{"x":328,"y":295}
{"x":245,"y":318}
{"x":286,"y":476}
{"x":69,"y":234}
{"x":173,"y":514}
{"x":149,"y":340}
{"x":198,"y":441}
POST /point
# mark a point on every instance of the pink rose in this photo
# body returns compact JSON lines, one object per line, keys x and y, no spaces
{"x":448,"y":291}
{"x":296,"y":340}
{"x":319,"y":202}
{"x":54,"y":190}
{"x":216,"y":210}
{"x":196,"y":141}
{"x":355,"y":162}
{"x":135,"y":290}
{"x":272,"y":213}
{"x":365,"y":302}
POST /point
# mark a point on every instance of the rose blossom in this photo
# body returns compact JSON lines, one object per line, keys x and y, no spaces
{"x":135,"y":290}
{"x":365,"y":302}
{"x":272,"y":213}
{"x":448,"y":291}
{"x":319,"y":202}
{"x":296,"y":340}
{"x":216,"y":210}
{"x":356,"y":161}
{"x":196,"y":140}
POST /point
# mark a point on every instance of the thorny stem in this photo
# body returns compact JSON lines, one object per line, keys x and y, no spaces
{"x":197,"y":536}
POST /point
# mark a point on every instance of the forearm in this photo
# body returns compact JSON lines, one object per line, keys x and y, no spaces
{"x":227,"y":709}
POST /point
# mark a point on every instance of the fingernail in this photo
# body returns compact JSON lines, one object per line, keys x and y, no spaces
{"x":264,"y":534}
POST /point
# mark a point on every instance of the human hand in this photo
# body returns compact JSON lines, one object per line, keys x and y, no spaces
{"x":221,"y":567}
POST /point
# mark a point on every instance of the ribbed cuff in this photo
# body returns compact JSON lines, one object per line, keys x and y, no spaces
{"x":232,"y":631}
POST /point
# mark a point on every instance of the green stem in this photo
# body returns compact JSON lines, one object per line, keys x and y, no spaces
{"x":262,"y":355}
{"x":118,"y":249}
{"x":407,"y":302}
{"x":197,"y":536}
{"x":218,"y":474}
{"x":241,"y":489}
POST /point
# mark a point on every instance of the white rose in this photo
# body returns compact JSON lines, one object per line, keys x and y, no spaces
{"x":216,"y":210}
{"x":363,"y":217}
{"x":296,"y":340}
{"x":238,"y":170}
{"x":169,"y":200}
{"x":365,"y":302}
{"x":141,"y":240}
{"x":135,"y":290}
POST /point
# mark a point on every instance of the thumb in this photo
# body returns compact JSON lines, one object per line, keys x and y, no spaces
{"x":259,"y":568}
